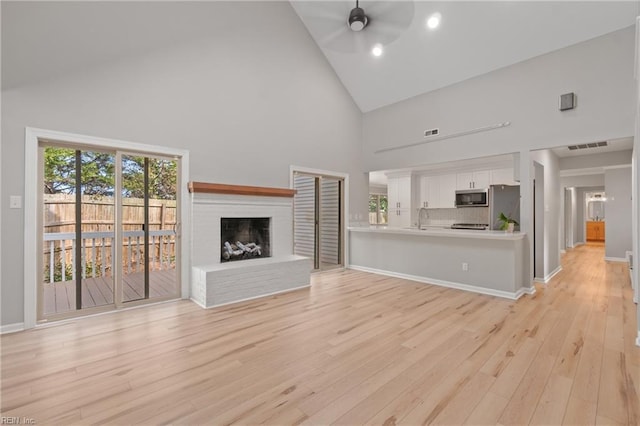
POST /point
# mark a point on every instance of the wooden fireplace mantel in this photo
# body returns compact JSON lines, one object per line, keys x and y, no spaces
{"x":221,"y":188}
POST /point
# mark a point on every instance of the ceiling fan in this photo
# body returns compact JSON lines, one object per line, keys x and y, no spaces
{"x":341,"y":27}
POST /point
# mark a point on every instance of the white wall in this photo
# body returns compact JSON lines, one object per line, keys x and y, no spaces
{"x":568,"y":215}
{"x":552,"y":213}
{"x":636,"y":181}
{"x":618,"y":212}
{"x":599,"y":71}
{"x":246,"y":100}
{"x":582,"y":180}
{"x":596,"y":160}
{"x":539,"y":221}
{"x":377,"y":189}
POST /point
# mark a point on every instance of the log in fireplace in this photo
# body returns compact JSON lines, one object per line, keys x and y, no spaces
{"x":244,"y":238}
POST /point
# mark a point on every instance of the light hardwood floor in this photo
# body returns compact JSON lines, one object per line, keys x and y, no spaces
{"x":355,"y":349}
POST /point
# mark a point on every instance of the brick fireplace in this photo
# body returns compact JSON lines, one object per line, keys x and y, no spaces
{"x":225,"y":215}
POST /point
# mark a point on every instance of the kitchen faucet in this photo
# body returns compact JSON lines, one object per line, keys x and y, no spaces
{"x":420,"y":216}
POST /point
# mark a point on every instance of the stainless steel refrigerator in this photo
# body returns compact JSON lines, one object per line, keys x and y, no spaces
{"x":504,"y":199}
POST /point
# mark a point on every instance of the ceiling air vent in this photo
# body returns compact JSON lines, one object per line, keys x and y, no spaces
{"x":431,"y":132}
{"x":587,"y":145}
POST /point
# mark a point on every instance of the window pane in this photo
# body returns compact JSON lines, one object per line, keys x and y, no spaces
{"x":383,"y":210}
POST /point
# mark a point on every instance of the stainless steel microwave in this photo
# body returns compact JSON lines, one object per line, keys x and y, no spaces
{"x":472,"y":198}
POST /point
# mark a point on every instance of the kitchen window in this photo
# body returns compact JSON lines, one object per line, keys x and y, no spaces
{"x":378,"y":207}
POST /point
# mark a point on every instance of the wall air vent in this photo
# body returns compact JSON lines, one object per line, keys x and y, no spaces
{"x":587,"y":145}
{"x":431,"y":132}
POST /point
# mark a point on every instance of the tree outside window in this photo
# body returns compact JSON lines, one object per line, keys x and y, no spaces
{"x":378,"y":207}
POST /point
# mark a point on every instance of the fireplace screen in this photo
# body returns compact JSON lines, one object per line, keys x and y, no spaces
{"x":244,"y":238}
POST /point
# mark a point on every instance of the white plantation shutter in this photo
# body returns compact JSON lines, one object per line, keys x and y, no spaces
{"x":304,"y":215}
{"x":329,"y":221}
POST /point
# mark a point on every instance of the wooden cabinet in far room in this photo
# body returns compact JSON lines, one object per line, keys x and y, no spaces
{"x":595,"y":230}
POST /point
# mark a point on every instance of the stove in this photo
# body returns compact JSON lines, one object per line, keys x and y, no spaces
{"x":477,"y":226}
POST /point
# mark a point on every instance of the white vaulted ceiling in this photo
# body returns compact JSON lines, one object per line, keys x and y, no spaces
{"x":473,"y":38}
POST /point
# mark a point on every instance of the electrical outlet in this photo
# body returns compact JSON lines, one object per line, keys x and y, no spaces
{"x":15,"y":202}
{"x":465,"y":266}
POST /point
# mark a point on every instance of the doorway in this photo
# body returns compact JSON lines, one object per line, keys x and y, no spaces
{"x":318,"y":217}
{"x":538,"y":222}
{"x":109,"y":229}
{"x":594,"y":217}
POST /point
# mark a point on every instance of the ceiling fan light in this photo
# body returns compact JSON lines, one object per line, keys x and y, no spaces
{"x":434,"y":21}
{"x":357,"y":19}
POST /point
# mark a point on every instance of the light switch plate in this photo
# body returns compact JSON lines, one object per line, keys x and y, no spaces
{"x":15,"y":202}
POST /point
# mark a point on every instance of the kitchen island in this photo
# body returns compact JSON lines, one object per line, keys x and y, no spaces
{"x":488,"y":262}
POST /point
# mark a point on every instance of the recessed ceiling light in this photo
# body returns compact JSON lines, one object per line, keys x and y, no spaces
{"x":434,"y":21}
{"x":377,"y":50}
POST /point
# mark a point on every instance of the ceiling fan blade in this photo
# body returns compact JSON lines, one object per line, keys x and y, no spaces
{"x":385,"y":32}
{"x":336,"y":37}
{"x":390,"y":19}
{"x":327,"y":23}
{"x":335,"y":10}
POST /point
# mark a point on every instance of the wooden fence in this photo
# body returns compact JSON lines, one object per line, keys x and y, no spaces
{"x":98,"y":225}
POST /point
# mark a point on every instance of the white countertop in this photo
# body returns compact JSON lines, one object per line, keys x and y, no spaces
{"x":433,"y":231}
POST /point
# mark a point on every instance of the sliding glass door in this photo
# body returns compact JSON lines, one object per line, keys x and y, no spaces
{"x":318,"y":219}
{"x":149,"y":224}
{"x":109,"y":223}
{"x":78,"y":229}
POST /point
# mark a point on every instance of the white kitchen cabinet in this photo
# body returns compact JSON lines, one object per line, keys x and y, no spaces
{"x":464,"y":180}
{"x":447,"y":198}
{"x":438,"y":192}
{"x":399,"y":192}
{"x":503,"y":177}
{"x":473,"y":180}
{"x":399,"y":218}
{"x":428,"y":191}
{"x":399,"y":201}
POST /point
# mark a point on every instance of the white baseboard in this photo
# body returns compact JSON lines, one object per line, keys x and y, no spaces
{"x":546,"y":279}
{"x":523,"y":290}
{"x":616,"y":259}
{"x":449,"y":284}
{"x":197,"y":303}
{"x":638,"y":339}
{"x":578,"y":243}
{"x":253,"y":298}
{"x":12,"y":328}
{"x":563,"y":251}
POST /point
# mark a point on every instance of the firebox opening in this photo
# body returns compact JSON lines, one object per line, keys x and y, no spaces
{"x":245,"y":238}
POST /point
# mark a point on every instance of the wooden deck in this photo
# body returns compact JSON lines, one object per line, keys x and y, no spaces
{"x":60,"y":297}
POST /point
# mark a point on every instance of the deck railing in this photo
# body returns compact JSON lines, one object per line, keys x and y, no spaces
{"x":97,"y":249}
